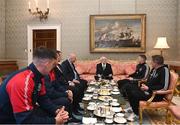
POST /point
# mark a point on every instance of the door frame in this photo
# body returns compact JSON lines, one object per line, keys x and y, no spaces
{"x":30,"y":29}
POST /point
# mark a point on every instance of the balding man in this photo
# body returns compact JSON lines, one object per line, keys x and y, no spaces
{"x":73,"y":77}
{"x":103,"y":70}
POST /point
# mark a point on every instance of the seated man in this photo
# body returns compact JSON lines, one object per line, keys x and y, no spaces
{"x":70,"y":85}
{"x":103,"y":70}
{"x":141,"y":73}
{"x":58,"y":97}
{"x":73,"y":78}
{"x":23,"y":89}
{"x":58,"y":90}
{"x":158,"y":79}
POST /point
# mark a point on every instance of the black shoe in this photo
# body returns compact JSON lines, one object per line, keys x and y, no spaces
{"x":71,"y":120}
{"x":80,"y":109}
{"x":77,"y":113}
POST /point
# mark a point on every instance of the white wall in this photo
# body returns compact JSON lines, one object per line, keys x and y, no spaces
{"x":74,"y":17}
{"x":2,"y":29}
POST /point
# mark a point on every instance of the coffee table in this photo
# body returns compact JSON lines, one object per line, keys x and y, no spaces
{"x":88,"y":113}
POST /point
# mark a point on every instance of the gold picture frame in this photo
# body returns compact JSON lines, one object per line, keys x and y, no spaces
{"x":118,"y":33}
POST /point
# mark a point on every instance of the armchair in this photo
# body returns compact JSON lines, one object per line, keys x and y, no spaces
{"x":149,"y":104}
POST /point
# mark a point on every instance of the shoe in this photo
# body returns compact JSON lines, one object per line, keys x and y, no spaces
{"x":77,"y":113}
{"x":80,"y":109}
{"x":133,"y":117}
{"x":73,"y":119}
{"x":128,"y":110}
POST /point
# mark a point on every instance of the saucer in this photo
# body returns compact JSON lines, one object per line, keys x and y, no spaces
{"x":119,"y":115}
{"x":108,"y":121}
{"x":91,"y":108}
{"x":87,"y":98}
{"x":91,"y":103}
{"x":120,"y":120}
{"x":116,"y":109}
{"x":114,"y":104}
{"x":87,"y":120}
{"x":115,"y":92}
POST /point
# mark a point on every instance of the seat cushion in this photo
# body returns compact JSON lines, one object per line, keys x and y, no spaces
{"x":144,"y":104}
{"x":119,"y":77}
{"x":130,"y":68}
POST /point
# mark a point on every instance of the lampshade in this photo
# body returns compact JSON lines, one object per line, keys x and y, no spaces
{"x":161,"y":43}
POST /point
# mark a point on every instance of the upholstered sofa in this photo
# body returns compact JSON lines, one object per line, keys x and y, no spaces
{"x":87,"y":68}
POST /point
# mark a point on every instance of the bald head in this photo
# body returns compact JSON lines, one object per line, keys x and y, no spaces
{"x":72,"y":57}
{"x":103,"y":59}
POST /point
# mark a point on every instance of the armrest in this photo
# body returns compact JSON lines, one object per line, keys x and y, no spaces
{"x":159,"y":92}
{"x":163,"y":92}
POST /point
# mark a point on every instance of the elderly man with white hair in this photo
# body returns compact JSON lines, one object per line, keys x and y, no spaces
{"x":103,"y":70}
{"x":74,"y":79}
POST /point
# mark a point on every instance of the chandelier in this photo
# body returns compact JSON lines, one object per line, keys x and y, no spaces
{"x":39,"y":13}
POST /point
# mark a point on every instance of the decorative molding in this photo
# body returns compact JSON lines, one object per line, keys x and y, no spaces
{"x":30,"y":29}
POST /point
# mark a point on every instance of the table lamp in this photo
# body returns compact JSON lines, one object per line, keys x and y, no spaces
{"x":161,"y":44}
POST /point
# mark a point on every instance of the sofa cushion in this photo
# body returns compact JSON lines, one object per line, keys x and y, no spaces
{"x":118,"y":69}
{"x":88,"y":77}
{"x":92,"y":66}
{"x":130,"y":68}
{"x":80,"y":68}
{"x":87,"y":69}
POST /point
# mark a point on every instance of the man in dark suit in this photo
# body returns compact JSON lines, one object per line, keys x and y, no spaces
{"x":103,"y":70}
{"x":73,"y":77}
{"x":60,"y":91}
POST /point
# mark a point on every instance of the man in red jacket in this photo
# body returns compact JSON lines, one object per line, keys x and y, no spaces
{"x":23,"y":90}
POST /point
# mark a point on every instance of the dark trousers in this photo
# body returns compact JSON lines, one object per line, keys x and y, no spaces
{"x":103,"y":77}
{"x":135,"y":94}
{"x":76,"y":96}
{"x":6,"y":118}
{"x":123,"y":84}
{"x":39,"y":112}
{"x":82,"y":87}
{"x":9,"y":118}
{"x":64,"y":101}
{"x":78,"y":93}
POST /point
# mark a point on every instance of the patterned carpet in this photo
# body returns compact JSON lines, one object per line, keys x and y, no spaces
{"x":158,"y":117}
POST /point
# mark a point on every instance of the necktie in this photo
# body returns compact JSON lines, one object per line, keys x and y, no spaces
{"x":104,"y":66}
{"x":75,"y":74}
{"x":59,"y":69}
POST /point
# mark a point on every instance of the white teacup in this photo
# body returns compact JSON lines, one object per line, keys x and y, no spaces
{"x":109,"y":118}
{"x":114,"y":100}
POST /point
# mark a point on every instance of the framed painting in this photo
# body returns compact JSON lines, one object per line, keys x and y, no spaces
{"x":118,"y":33}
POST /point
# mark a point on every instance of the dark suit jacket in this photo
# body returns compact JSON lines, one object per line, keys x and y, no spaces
{"x":106,"y":72}
{"x":60,"y":75}
{"x":68,"y":71}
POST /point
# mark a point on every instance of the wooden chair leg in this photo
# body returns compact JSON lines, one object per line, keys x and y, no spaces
{"x":168,"y":117}
{"x":140,"y":116}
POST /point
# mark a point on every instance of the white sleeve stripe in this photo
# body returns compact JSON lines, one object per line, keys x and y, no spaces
{"x":26,"y":91}
{"x":166,"y":78}
{"x":147,"y":71}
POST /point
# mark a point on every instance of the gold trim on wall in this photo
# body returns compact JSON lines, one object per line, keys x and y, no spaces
{"x":119,"y":17}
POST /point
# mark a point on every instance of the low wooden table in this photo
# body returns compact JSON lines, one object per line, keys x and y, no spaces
{"x":88,"y":113}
